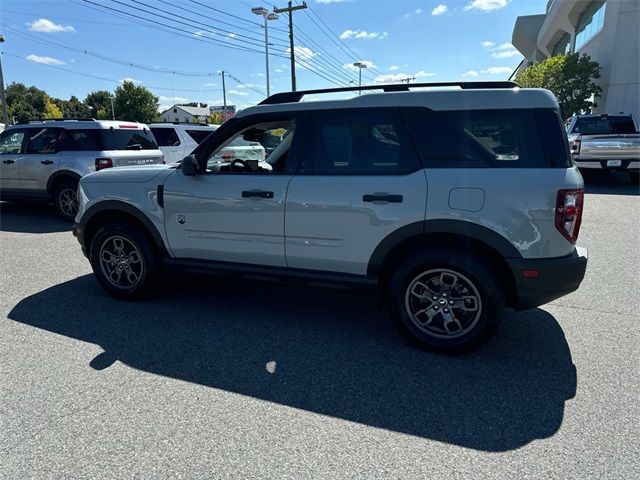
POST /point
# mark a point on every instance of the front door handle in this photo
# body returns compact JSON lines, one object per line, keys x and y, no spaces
{"x":9,"y":162}
{"x":256,"y":193}
{"x":46,"y":162}
{"x":382,"y":197}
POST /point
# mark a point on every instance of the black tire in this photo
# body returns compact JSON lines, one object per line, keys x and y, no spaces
{"x":65,"y":199}
{"x":474,"y":279}
{"x":143,"y":263}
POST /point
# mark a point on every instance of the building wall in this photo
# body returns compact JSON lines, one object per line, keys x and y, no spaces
{"x":616,"y":47}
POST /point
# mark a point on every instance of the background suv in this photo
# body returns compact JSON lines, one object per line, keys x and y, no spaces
{"x":44,"y":159}
{"x":451,"y":203}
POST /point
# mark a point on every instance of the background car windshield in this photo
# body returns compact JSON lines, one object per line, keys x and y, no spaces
{"x":121,"y":139}
{"x":604,"y":125}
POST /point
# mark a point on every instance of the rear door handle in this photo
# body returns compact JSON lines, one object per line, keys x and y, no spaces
{"x":256,"y":193}
{"x":382,"y":197}
{"x":46,"y":162}
{"x":9,"y":162}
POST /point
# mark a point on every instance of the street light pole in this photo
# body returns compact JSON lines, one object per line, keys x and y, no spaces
{"x":5,"y":114}
{"x":267,"y":16}
{"x":360,"y":66}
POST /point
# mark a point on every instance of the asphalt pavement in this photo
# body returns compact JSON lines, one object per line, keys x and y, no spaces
{"x":178,"y":386}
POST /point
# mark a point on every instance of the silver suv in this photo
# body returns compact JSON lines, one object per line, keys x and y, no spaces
{"x":44,"y":159}
{"x":452,"y":203}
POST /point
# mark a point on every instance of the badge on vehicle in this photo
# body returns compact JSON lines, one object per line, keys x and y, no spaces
{"x":181,"y":219}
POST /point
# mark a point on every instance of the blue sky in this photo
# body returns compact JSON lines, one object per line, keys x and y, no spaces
{"x":441,"y":40}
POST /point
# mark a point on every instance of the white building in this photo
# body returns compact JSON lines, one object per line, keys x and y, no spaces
{"x":606,"y":30}
{"x":182,"y":113}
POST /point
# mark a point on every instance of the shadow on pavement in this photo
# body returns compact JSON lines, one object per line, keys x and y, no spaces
{"x":336,"y":355}
{"x":608,"y":183}
{"x":31,"y":218}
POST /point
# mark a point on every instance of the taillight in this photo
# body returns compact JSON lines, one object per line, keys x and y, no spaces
{"x":102,"y":163}
{"x":575,"y":147}
{"x":569,"y":213}
{"x":228,"y":155}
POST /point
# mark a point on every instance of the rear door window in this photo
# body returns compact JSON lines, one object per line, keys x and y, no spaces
{"x":166,"y":136}
{"x":475,"y":138}
{"x":124,"y":139}
{"x":199,"y":135}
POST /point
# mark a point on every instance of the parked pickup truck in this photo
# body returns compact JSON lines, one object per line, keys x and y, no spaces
{"x":605,"y":142}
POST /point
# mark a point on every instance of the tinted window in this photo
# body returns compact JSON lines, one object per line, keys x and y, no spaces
{"x":166,"y":137}
{"x":475,"y":138}
{"x":122,"y":139}
{"x":553,"y":138}
{"x":80,"y":140}
{"x":42,"y":140}
{"x":604,"y":125}
{"x":363,"y":142}
{"x":11,"y":141}
{"x":199,"y":135}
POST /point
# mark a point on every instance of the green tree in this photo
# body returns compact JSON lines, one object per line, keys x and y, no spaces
{"x":99,"y":103}
{"x":193,"y":104}
{"x":25,"y":103}
{"x":73,"y":108}
{"x":135,"y":103}
{"x":570,"y":77}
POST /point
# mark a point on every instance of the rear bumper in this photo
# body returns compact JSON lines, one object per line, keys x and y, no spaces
{"x":625,"y":165}
{"x":557,"y":277}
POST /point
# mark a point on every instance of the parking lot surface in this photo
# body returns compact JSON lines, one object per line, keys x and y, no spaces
{"x":176,"y":386}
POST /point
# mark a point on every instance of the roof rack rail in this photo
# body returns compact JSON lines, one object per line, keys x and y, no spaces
{"x":291,"y":97}
{"x":42,"y":120}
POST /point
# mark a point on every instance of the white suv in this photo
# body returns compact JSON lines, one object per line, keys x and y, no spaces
{"x":177,"y":140}
{"x":451,"y":203}
{"x":45,"y":159}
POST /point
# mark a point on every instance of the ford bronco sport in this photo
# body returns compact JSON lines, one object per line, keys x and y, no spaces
{"x":454,"y":203}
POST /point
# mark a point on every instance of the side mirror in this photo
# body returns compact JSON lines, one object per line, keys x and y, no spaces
{"x":189,"y":166}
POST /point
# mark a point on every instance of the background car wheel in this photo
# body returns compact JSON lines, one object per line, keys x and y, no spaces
{"x":446,"y":301}
{"x":124,"y":260}
{"x":65,"y":198}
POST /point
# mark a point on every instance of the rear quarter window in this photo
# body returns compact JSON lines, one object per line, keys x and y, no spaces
{"x":166,"y":136}
{"x":124,"y":139}
{"x":80,"y":140}
{"x":199,"y":135}
{"x":501,"y":138}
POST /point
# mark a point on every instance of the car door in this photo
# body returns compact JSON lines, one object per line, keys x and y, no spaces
{"x":360,"y":180}
{"x":40,"y":160}
{"x":233,"y":212}
{"x":11,"y":148}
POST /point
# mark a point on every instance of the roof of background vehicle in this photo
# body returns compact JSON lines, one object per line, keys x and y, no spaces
{"x":595,"y":115}
{"x":184,"y":126}
{"x":435,"y":99}
{"x":84,"y":124}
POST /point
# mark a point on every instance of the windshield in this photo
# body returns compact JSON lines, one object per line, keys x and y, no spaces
{"x":604,"y":125}
{"x":121,"y":139}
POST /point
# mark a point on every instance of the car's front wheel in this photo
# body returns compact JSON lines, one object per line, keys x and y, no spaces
{"x":123,"y":259}
{"x":446,"y":301}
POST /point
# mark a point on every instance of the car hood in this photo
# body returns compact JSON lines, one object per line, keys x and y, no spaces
{"x":138,"y":174}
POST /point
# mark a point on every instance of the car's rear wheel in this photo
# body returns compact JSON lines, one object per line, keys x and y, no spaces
{"x":446,"y":301}
{"x":65,"y":198}
{"x":123,"y":260}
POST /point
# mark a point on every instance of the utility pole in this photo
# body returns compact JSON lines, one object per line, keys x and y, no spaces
{"x":408,"y":79}
{"x":5,"y":115}
{"x":113,"y":112}
{"x":224,"y":91}
{"x":289,"y":10}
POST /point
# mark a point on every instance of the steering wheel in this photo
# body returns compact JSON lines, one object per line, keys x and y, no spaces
{"x":244,"y":164}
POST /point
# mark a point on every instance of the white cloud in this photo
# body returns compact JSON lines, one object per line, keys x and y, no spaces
{"x":240,"y":93}
{"x":399,"y":77}
{"x":419,"y":11}
{"x":129,"y":79}
{"x":44,"y":60}
{"x":423,"y":74}
{"x":393,"y":68}
{"x":47,"y":26}
{"x":488,"y":44}
{"x":347,"y":34}
{"x":204,"y":33}
{"x":211,"y":84}
{"x":303,"y":53}
{"x":351,"y":66}
{"x":505,"y":54}
{"x":439,"y":10}
{"x":232,"y":35}
{"x":173,"y":100}
{"x":261,"y":74}
{"x":486,"y":5}
{"x":497,"y":70}
{"x":471,"y":73}
{"x":331,"y":1}
{"x":278,"y":70}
